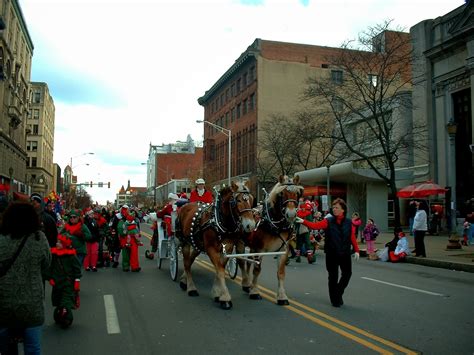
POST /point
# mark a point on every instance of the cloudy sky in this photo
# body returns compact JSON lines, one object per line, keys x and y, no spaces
{"x":124,"y":73}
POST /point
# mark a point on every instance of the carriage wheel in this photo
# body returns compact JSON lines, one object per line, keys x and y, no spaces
{"x":173,"y":257}
{"x":232,"y":267}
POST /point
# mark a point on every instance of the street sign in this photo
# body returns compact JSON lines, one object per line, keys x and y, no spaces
{"x":100,"y":184}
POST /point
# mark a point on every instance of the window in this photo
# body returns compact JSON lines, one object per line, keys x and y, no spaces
{"x":36,"y":114}
{"x":37,"y":97}
{"x":244,"y":79}
{"x":238,"y":111}
{"x":336,"y":76}
{"x":227,"y":95}
{"x":232,"y":114}
{"x":35,"y":129}
{"x":251,"y":74}
{"x":32,"y":146}
{"x":373,"y":80}
{"x":252,"y":102}
{"x":337,"y":105}
{"x":232,"y":90}
{"x":222,"y":100}
{"x":238,"y":86}
{"x":227,"y":119}
{"x":33,"y":162}
{"x":244,"y":107}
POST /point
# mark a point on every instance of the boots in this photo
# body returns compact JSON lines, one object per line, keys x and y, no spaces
{"x":298,"y":256}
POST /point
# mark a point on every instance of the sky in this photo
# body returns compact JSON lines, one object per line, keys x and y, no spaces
{"x":127,"y":73}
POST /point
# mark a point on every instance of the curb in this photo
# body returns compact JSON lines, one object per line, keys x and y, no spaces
{"x":440,"y":264}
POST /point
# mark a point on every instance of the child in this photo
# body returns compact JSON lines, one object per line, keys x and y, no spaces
{"x":402,"y":249}
{"x":64,"y":275}
{"x":370,"y":233}
{"x":303,"y":243}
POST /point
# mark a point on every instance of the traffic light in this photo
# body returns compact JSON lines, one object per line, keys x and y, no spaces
{"x":108,"y":184}
{"x":91,"y":184}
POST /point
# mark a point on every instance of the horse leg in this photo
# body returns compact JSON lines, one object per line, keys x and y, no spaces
{"x":282,"y":298}
{"x":254,"y":290}
{"x":186,"y":281}
{"x":240,"y":249}
{"x":219,"y":288}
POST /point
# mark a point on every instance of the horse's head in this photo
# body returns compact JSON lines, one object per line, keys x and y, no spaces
{"x":285,"y":195}
{"x":238,"y":201}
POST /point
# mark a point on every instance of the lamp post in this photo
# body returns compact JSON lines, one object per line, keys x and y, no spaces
{"x":228,"y":133}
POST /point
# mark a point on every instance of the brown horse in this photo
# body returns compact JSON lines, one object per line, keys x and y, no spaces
{"x":272,"y":234}
{"x":213,"y":229}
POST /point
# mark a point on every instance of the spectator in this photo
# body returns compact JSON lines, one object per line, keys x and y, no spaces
{"x":402,"y":249}
{"x":411,"y":214}
{"x":21,"y":281}
{"x":370,"y":233}
{"x":420,"y":226}
{"x":92,"y":245}
{"x":356,"y":222}
{"x":48,"y":224}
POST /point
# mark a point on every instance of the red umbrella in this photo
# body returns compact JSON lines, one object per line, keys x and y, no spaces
{"x":421,"y":190}
{"x":407,"y":191}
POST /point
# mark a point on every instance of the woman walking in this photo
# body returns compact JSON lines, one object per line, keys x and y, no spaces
{"x":420,"y":226}
{"x":339,"y":237}
{"x":24,"y":256}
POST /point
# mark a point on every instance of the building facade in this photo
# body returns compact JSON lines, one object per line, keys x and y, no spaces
{"x":16,"y":51}
{"x":40,"y":139}
{"x":268,"y":79}
{"x":443,"y":96}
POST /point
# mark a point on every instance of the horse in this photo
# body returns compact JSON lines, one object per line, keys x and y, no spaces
{"x":273,"y":232}
{"x":214,"y":229}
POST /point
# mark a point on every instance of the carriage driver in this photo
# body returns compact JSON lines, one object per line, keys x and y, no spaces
{"x":200,"y":193}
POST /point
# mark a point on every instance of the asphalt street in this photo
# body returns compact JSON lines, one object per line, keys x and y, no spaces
{"x":388,"y":309}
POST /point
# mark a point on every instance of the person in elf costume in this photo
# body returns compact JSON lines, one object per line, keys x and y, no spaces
{"x":303,"y":244}
{"x":130,"y":241}
{"x":79,"y":233}
{"x":104,"y":239}
{"x":116,"y":233}
{"x":64,"y":275}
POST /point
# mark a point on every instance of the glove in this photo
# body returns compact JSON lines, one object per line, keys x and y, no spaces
{"x":52,"y":283}
{"x":356,"y":256}
{"x":299,"y":220}
{"x":77,"y":285}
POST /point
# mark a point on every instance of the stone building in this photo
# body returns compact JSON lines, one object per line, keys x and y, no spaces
{"x":442,"y":96}
{"x":16,"y":51}
{"x":40,"y":139}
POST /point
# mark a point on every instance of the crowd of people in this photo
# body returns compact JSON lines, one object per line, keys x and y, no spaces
{"x":56,"y":249}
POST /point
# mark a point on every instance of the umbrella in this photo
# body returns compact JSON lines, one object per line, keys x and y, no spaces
{"x":421,"y":190}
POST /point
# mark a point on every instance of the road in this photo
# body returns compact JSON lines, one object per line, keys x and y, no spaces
{"x":389,"y":309}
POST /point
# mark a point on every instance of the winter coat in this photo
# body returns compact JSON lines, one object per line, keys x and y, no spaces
{"x":370,"y":232}
{"x":421,"y":221}
{"x":22,"y":288}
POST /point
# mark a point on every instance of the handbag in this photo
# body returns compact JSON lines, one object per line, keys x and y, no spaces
{"x":5,"y":265}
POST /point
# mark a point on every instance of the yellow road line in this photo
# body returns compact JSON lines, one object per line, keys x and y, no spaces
{"x":271,"y":295}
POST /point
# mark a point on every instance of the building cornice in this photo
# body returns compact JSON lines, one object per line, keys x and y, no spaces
{"x":21,"y":20}
{"x":252,"y":52}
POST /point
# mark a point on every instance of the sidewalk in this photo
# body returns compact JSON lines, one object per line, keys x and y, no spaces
{"x":436,"y":252}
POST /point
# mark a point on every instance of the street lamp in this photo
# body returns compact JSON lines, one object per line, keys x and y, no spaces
{"x":228,"y":133}
{"x":80,"y":155}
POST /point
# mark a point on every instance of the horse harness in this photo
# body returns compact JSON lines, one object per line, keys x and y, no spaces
{"x":215,"y":220}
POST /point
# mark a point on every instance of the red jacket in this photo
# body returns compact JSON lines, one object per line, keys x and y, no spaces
{"x":206,"y":196}
{"x":324,"y":225}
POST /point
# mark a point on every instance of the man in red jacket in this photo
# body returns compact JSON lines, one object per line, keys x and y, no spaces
{"x":200,"y":193}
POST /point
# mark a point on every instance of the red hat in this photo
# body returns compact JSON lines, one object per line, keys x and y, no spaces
{"x":307,"y":206}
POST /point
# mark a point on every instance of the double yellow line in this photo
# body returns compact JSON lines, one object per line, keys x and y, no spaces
{"x":342,"y":328}
{"x":347,"y":330}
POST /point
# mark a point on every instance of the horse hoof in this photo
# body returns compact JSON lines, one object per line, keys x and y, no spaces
{"x":246,"y":289}
{"x":183,"y":286}
{"x":193,"y":293}
{"x":226,"y":305}
{"x":255,"y":296}
{"x":283,"y":303}
{"x":216,"y":299}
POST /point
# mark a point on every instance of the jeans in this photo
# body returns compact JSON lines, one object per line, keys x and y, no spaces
{"x":31,"y":340}
{"x":410,"y":222}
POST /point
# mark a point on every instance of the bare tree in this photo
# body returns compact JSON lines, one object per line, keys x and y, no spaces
{"x":368,"y":97}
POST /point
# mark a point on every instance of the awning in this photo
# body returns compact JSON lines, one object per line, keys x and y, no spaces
{"x":344,"y":173}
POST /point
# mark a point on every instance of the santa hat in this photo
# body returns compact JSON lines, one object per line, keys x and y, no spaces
{"x":75,"y":213}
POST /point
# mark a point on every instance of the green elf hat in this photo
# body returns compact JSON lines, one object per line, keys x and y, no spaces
{"x":75,"y":213}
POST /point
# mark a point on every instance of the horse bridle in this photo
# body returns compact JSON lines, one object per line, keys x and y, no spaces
{"x":232,"y":206}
